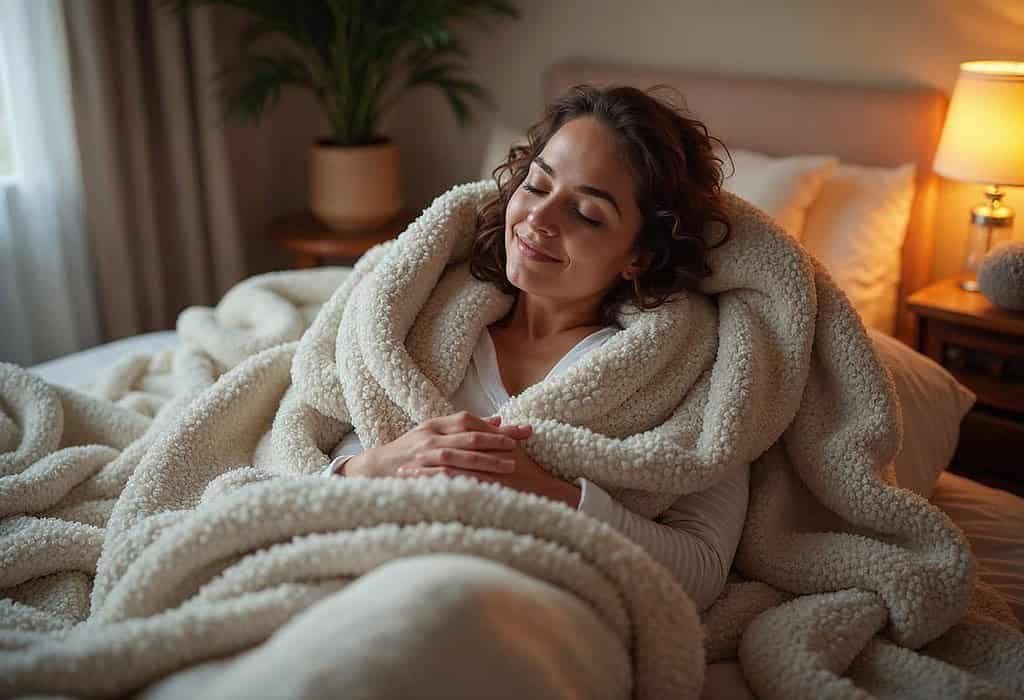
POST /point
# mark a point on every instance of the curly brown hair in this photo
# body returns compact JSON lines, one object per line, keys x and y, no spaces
{"x":678,"y":180}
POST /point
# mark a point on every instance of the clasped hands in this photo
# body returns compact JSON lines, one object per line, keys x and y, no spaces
{"x":467,"y":445}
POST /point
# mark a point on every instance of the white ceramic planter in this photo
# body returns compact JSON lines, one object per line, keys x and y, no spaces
{"x":355,"y":188}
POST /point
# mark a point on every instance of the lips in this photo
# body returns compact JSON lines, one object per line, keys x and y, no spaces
{"x":532,"y":251}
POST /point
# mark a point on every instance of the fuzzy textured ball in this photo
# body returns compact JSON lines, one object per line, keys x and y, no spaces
{"x":1001,"y":276}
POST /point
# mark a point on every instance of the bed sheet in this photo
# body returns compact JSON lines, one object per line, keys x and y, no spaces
{"x":993,"y":521}
{"x":77,"y":369}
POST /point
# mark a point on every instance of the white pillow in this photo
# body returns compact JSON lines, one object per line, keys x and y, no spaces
{"x":933,"y":404}
{"x":782,"y":187}
{"x":856,"y":227}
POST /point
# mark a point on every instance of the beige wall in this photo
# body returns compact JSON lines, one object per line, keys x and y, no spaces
{"x":874,"y":42}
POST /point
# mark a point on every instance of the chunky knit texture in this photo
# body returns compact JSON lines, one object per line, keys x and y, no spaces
{"x":174,"y":513}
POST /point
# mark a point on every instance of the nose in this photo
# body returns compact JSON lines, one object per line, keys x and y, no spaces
{"x":542,"y":218}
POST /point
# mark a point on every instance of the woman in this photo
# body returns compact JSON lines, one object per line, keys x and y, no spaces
{"x":599,"y":211}
{"x":603,"y":208}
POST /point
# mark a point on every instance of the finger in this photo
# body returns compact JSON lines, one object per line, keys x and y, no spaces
{"x":519,"y":430}
{"x":475,"y":440}
{"x":465,"y":459}
{"x":464,"y":421}
{"x":412,"y":472}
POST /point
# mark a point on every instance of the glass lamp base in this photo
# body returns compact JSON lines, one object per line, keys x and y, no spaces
{"x":991,"y":226}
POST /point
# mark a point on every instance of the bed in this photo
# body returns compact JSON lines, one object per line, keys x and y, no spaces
{"x":857,"y":126}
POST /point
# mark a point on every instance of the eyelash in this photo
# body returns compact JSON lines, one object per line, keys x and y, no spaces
{"x":533,"y":190}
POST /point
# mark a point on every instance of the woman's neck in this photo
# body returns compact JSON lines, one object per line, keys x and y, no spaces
{"x":531,"y":318}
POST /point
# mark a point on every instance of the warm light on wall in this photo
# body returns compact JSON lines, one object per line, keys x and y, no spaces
{"x":983,"y":141}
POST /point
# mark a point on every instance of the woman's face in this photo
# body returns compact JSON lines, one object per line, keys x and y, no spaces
{"x":577,"y":205}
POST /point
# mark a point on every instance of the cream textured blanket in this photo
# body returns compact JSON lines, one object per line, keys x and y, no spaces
{"x":174,"y":512}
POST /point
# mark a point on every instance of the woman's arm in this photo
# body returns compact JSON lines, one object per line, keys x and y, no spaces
{"x":551,"y":487}
{"x":462,"y":440}
{"x":695,"y":539}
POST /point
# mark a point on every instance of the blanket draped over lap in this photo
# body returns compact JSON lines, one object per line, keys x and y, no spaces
{"x":174,"y":511}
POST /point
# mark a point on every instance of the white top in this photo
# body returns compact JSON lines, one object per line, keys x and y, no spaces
{"x":696,"y":538}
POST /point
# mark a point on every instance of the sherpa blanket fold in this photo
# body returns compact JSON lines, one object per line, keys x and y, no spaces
{"x":174,"y":512}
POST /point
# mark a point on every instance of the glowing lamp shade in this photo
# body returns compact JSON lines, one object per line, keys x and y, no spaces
{"x":983,"y":137}
{"x":983,"y":141}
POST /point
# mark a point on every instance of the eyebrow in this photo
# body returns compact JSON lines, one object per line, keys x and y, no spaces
{"x":586,"y":189}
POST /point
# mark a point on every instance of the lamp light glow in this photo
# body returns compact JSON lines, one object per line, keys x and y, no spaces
{"x":983,"y":137}
{"x":983,"y":141}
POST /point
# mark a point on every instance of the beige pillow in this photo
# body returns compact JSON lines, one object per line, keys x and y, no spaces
{"x":933,"y":403}
{"x":856,"y":227}
{"x":783,"y":188}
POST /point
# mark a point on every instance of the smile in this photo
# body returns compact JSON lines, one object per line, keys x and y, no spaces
{"x":531,"y":253}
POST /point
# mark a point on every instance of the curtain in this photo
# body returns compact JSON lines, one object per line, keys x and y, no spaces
{"x":48,"y":304}
{"x":160,"y":206}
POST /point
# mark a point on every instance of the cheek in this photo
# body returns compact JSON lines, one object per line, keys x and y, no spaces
{"x":515,"y":213}
{"x":515,"y":210}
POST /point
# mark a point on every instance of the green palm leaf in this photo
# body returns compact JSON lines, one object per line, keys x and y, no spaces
{"x":357,"y":57}
{"x":255,"y":87}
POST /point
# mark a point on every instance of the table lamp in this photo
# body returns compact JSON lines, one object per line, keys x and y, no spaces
{"x":983,"y":141}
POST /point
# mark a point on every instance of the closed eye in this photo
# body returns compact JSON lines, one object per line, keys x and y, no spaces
{"x":533,"y":190}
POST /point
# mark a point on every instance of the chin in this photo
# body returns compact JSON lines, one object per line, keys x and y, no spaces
{"x":514,"y":277}
{"x":519,"y":277}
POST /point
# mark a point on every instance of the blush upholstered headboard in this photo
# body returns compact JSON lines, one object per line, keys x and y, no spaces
{"x":862,"y":125}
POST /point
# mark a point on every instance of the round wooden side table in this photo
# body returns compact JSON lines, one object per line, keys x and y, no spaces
{"x":310,"y":240}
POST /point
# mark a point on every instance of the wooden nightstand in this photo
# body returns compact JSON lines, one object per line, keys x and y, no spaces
{"x":983,"y":347}
{"x":311,"y":241}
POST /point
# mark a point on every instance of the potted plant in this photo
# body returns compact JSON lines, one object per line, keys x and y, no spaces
{"x":356,"y":58}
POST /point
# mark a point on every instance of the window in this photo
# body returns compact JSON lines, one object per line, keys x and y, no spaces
{"x":6,"y":142}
